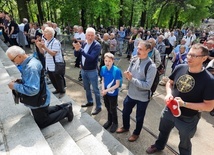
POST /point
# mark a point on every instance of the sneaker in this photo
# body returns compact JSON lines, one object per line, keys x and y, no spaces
{"x":107,"y":124}
{"x":113,"y":127}
{"x":152,"y":149}
{"x":173,"y":105}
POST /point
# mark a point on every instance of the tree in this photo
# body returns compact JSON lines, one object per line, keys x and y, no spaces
{"x":22,"y":9}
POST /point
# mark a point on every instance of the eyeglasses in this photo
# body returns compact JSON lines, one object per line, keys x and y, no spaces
{"x":195,"y":56}
{"x":14,"y":58}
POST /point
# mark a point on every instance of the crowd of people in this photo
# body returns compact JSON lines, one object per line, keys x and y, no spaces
{"x":153,"y":47}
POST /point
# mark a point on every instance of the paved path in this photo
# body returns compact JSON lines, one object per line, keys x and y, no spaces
{"x":202,"y":142}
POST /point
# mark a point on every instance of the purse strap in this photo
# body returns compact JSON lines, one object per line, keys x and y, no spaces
{"x":54,"y":59}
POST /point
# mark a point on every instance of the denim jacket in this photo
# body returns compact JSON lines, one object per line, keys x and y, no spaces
{"x":31,"y":72}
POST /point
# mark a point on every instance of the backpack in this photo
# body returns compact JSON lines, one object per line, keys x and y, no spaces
{"x":121,"y":75}
{"x":156,"y":80}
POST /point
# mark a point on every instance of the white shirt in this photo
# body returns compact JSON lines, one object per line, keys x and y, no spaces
{"x":172,"y":40}
{"x":54,"y":45}
{"x":86,"y":48}
{"x":79,"y":36}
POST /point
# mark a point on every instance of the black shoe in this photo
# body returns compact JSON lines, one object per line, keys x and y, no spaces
{"x":70,"y":113}
{"x":87,"y":105}
{"x":96,"y":111}
{"x":113,"y":127}
{"x":107,"y":124}
{"x":61,"y":95}
{"x":55,"y":92}
{"x":15,"y":96}
{"x":212,"y":112}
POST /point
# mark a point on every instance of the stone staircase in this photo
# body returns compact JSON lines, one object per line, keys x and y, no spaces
{"x":20,"y":135}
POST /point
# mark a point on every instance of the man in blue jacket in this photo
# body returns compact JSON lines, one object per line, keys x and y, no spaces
{"x":89,"y":51}
{"x":30,"y":85}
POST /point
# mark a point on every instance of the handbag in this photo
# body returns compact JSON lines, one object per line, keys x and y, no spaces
{"x":161,"y":69}
{"x":59,"y":67}
{"x":38,"y":99}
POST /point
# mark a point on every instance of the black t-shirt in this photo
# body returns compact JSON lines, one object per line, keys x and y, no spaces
{"x":192,"y":87}
{"x":1,"y":21}
{"x":13,"y":24}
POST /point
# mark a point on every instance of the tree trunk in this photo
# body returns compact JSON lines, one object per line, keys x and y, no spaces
{"x":171,"y":22}
{"x":31,"y":15}
{"x":48,"y":12}
{"x":161,"y":12}
{"x":121,"y":23}
{"x":143,"y":19}
{"x":40,"y":15}
{"x":132,"y":13}
{"x":22,"y":9}
{"x":98,"y":22}
{"x":83,"y":18}
{"x":176,"y":17}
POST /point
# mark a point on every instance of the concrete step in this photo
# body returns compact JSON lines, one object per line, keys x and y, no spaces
{"x":60,"y":141}
{"x":21,"y":136}
{"x":79,"y":133}
{"x":70,"y":138}
{"x":19,"y":133}
{"x":85,"y":125}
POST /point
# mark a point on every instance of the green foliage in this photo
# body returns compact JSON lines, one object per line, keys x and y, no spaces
{"x":107,"y":13}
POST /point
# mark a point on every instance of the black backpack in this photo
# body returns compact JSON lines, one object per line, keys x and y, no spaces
{"x":156,"y":80}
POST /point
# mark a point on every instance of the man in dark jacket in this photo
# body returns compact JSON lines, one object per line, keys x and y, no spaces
{"x":89,"y":52}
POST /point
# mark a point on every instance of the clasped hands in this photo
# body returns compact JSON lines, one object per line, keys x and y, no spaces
{"x":128,"y":75}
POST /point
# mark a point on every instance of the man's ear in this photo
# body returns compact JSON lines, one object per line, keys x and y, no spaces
{"x":205,"y":58}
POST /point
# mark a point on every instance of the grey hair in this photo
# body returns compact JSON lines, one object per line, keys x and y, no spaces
{"x":50,"y":30}
{"x":153,"y":40}
{"x":14,"y":51}
{"x":183,"y":46}
{"x":90,"y":29}
{"x":162,"y":37}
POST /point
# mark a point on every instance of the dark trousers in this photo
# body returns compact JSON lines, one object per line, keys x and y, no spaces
{"x":77,"y":61}
{"x":49,"y":115}
{"x":13,"y":41}
{"x":128,"y":105}
{"x":111,"y":106}
{"x":186,"y":127}
{"x":6,"y":38}
{"x":58,"y":81}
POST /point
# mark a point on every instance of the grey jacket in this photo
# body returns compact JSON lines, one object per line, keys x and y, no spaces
{"x":139,"y":85}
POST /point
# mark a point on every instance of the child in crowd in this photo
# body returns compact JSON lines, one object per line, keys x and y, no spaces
{"x":111,"y":76}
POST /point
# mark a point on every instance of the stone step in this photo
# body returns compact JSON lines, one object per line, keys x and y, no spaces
{"x":23,"y":137}
{"x":60,"y":141}
{"x":19,"y":132}
{"x":85,"y":125}
{"x":79,"y":133}
{"x":77,"y":140}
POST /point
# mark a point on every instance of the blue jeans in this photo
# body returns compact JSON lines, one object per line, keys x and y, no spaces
{"x":120,"y":47}
{"x":186,"y":127}
{"x":128,"y":105}
{"x":90,"y":77}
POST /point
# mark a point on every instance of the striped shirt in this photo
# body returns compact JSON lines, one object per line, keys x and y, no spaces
{"x":55,"y":46}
